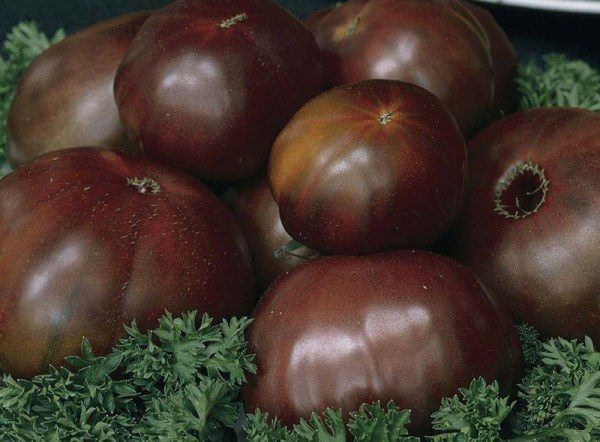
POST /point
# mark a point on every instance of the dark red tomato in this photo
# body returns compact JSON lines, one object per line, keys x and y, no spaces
{"x":65,"y":98}
{"x":409,"y":326}
{"x":91,"y":239}
{"x":315,"y":18}
{"x":436,"y":44}
{"x":504,"y":57}
{"x":531,"y":229}
{"x":208,"y":84}
{"x":368,"y":167}
{"x":258,"y":214}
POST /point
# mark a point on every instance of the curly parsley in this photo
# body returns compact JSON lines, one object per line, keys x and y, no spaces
{"x":179,"y":382}
{"x":559,"y":82}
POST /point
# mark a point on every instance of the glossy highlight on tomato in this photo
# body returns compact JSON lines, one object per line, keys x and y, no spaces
{"x":91,"y":239}
{"x":208,"y":84}
{"x":258,"y":215}
{"x":408,"y":326}
{"x":65,"y":98}
{"x":367,"y":167}
{"x":437,"y":44}
{"x":531,"y":227}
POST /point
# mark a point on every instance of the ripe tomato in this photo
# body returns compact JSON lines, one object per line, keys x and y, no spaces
{"x":531,"y":225}
{"x":65,"y":98}
{"x":208,"y":84}
{"x":505,"y":61}
{"x":258,"y":215}
{"x":436,"y":44}
{"x":91,"y":239}
{"x":409,"y":326}
{"x":367,"y":167}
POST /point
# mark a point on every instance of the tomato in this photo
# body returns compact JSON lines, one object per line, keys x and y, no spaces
{"x":368,"y":167}
{"x":91,"y":239}
{"x":532,"y":222}
{"x":258,"y":216}
{"x":408,"y":326}
{"x":65,"y":98}
{"x":436,"y":44}
{"x":315,"y":18}
{"x":208,"y":84}
{"x":504,"y":57}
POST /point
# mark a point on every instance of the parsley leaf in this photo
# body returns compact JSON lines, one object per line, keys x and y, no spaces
{"x":531,"y":345}
{"x":561,"y":396}
{"x":374,"y":424}
{"x":178,"y":382}
{"x":478,"y":416}
{"x":559,"y":82}
{"x":371,"y":423}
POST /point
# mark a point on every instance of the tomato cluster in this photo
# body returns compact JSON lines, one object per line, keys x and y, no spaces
{"x":351,"y":133}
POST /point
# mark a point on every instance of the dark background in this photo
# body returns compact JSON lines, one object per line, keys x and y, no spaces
{"x":534,"y":33}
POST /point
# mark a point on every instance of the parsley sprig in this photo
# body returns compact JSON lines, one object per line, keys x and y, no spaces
{"x":371,"y":423}
{"x":559,"y":81}
{"x":179,"y":382}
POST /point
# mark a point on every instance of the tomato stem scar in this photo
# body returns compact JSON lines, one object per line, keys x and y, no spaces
{"x":144,"y":185}
{"x":228,"y":23}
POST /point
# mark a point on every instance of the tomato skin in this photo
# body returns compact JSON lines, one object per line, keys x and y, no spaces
{"x":315,"y":18}
{"x":258,"y":215}
{"x":409,"y":326}
{"x":209,"y":97}
{"x":543,"y":266}
{"x":65,"y":98}
{"x":436,"y":44}
{"x":82,"y":253}
{"x":505,"y":61}
{"x":346,"y":183}
{"x":504,"y":57}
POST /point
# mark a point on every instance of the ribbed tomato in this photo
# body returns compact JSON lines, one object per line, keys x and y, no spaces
{"x":531,"y":228}
{"x":367,"y":167}
{"x":65,"y":98}
{"x":91,"y":239}
{"x":437,"y":44}
{"x":409,"y":326}
{"x":505,"y":61}
{"x":208,"y":84}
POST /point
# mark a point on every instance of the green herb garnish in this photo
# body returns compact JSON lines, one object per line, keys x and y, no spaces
{"x":559,"y":400}
{"x":559,"y":82}
{"x":179,"y":382}
{"x":371,"y":423}
{"x":182,"y":382}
